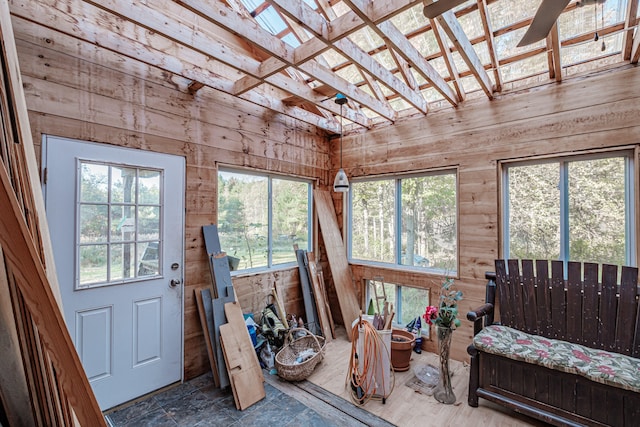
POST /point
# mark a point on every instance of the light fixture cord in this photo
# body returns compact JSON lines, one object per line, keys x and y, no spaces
{"x":340,"y":136}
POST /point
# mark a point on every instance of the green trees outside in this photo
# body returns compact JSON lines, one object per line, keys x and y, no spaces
{"x":244,"y":220}
{"x":427,"y":218}
{"x":593,"y":193}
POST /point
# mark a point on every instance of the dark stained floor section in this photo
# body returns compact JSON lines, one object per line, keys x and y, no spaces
{"x":199,"y":403}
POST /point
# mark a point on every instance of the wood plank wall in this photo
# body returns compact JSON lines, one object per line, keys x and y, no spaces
{"x":582,"y":113}
{"x":78,"y":90}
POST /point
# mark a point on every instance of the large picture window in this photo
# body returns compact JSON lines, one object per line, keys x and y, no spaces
{"x":261,"y":217}
{"x":577,"y":208}
{"x":409,"y":220}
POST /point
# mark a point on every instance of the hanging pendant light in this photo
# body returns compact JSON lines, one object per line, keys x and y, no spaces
{"x":341,"y":182}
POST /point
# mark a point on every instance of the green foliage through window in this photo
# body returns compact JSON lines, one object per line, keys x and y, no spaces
{"x":406,"y":220}
{"x":261,"y":217}
{"x":573,"y":209}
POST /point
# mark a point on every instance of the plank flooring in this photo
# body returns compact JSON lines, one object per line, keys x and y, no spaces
{"x":405,"y":406}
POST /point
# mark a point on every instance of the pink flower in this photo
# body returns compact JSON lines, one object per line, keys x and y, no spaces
{"x":431,"y":312}
{"x":487,"y":341}
{"x":525,"y":342}
{"x":580,"y":355}
{"x":607,"y":370}
{"x":545,"y":342}
{"x":604,"y":354}
{"x":543,"y":354}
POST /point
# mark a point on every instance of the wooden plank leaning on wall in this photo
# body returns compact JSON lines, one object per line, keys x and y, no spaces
{"x":60,"y":391}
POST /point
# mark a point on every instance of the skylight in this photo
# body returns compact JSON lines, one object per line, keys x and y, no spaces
{"x":508,"y":20}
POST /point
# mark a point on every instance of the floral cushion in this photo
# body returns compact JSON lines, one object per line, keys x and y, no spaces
{"x":601,"y":366}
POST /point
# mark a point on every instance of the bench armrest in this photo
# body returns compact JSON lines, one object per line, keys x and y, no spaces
{"x":480,"y":312}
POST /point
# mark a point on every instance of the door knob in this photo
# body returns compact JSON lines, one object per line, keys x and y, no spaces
{"x":174,"y":282}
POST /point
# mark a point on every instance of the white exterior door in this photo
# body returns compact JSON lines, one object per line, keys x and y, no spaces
{"x":116,"y":221}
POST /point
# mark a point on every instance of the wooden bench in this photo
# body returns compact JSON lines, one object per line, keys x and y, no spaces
{"x":588,"y":316}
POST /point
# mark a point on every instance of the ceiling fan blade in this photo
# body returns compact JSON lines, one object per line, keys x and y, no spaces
{"x":438,"y":8}
{"x":546,"y":16}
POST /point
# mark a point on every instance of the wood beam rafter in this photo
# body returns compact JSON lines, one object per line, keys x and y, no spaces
{"x":250,"y":30}
{"x":448,"y":59}
{"x":301,"y":13}
{"x":630,"y":23}
{"x":484,"y":17}
{"x":553,"y":54}
{"x":635,"y":51}
{"x":392,"y":36}
{"x":175,"y":58}
{"x":452,"y":27}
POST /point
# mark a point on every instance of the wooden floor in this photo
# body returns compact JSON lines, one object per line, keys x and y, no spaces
{"x":405,"y":406}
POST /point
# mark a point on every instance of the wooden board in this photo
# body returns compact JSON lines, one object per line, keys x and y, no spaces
{"x":219,"y":319}
{"x":241,"y":360}
{"x":337,"y":256}
{"x":311,"y":314}
{"x":323,"y":317}
{"x":233,"y":311}
{"x":206,"y":321}
{"x":325,"y":296}
{"x":218,"y":262}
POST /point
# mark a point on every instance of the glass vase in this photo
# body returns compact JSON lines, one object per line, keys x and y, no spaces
{"x":444,"y":392}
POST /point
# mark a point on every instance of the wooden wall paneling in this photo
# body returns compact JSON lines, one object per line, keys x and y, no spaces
{"x":234,"y":133}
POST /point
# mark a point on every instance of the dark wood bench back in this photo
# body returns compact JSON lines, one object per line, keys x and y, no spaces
{"x":588,"y":308}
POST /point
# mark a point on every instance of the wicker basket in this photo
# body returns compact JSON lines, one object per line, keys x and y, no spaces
{"x":286,"y":364}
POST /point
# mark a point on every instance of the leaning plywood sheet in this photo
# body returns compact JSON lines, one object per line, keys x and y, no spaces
{"x":242,"y":364}
{"x":235,"y":317}
{"x":336,"y":253}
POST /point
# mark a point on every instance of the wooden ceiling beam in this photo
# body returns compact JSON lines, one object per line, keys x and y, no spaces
{"x":635,"y":50}
{"x":630,"y":23}
{"x":488,"y":31}
{"x":448,"y":59}
{"x":301,"y":12}
{"x":452,"y":27}
{"x":249,"y":30}
{"x":553,"y":53}
{"x":404,"y":69}
{"x":158,"y":22}
{"x":390,"y":33}
{"x":175,"y":58}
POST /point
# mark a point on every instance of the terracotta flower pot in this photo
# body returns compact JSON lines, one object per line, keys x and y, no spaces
{"x":402,"y":343}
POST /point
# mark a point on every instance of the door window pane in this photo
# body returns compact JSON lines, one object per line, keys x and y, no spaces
{"x":93,"y":223}
{"x":123,"y":185}
{"x":93,"y":264}
{"x":149,"y":187}
{"x":94,"y":183}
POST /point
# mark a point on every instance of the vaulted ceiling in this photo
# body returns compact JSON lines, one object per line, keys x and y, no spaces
{"x":386,"y":57}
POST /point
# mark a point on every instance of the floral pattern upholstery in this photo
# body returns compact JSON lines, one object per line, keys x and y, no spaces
{"x":601,"y":366}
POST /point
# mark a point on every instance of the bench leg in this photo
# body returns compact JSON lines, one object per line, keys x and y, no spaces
{"x":474,"y":376}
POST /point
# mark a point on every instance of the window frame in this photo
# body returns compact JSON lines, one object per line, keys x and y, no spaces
{"x":630,"y":155}
{"x":398,"y":321}
{"x":398,"y":178}
{"x":270,"y":176}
